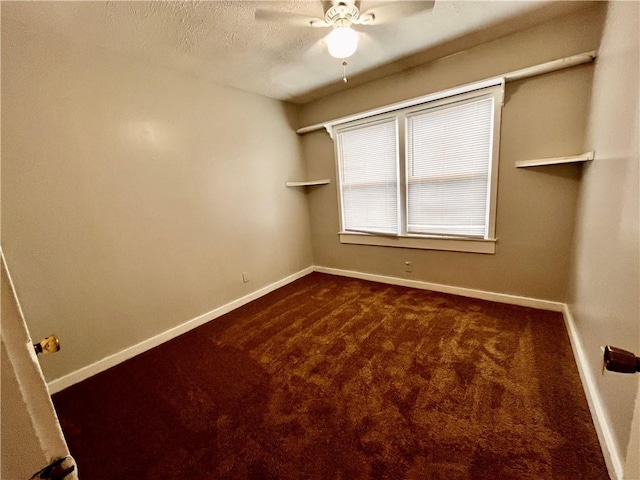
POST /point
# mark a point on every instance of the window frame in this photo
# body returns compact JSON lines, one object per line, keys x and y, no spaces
{"x":486,"y":244}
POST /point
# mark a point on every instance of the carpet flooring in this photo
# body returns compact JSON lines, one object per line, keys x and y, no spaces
{"x":338,"y":378}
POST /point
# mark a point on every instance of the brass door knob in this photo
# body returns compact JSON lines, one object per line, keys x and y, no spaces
{"x":51,"y":344}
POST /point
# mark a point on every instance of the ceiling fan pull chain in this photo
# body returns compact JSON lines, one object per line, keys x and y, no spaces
{"x":344,"y":70}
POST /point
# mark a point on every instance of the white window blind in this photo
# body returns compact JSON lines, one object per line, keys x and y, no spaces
{"x":368,"y":164}
{"x":449,"y":151}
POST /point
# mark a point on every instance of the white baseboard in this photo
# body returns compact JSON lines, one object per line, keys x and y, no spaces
{"x":611,"y":454}
{"x":85,"y":372}
{"x":437,"y":287}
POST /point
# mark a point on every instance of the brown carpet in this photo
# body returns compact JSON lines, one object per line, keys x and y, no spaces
{"x":336,"y":378}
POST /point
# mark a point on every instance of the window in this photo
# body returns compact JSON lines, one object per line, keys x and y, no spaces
{"x":424,"y":176}
{"x":369,"y":174}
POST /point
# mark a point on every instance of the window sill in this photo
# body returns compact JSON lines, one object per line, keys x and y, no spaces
{"x":470,"y":245}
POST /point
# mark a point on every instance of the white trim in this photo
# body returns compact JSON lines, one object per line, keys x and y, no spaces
{"x":85,"y":372}
{"x":552,"y":66}
{"x":528,"y":72}
{"x":438,"y":287}
{"x":432,"y":97}
{"x":585,"y":157}
{"x":611,"y":455}
{"x":469,"y":245}
{"x":603,"y":429}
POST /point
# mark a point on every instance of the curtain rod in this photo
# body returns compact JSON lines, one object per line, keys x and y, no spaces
{"x":527,"y":72}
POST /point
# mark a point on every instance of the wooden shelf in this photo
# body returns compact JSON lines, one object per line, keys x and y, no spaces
{"x":310,"y":183}
{"x":585,"y":157}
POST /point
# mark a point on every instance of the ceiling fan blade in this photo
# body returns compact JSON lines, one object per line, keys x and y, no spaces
{"x":264,"y":14}
{"x":380,"y":13}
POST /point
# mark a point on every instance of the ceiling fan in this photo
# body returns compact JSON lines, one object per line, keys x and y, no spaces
{"x":341,"y":15}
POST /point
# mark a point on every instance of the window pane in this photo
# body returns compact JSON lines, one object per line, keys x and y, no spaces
{"x":448,"y":166}
{"x":369,"y":176}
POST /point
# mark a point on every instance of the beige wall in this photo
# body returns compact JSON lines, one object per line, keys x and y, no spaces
{"x":542,"y":117}
{"x":605,"y":288}
{"x":133,"y":197}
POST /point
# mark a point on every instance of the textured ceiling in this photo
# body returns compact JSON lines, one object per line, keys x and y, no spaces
{"x":222,"y":41}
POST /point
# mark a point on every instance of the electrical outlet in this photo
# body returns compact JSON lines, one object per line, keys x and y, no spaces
{"x":245,"y":277}
{"x":407,"y":267}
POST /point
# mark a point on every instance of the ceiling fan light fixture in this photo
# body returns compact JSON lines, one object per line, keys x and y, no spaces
{"x":342,"y":42}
